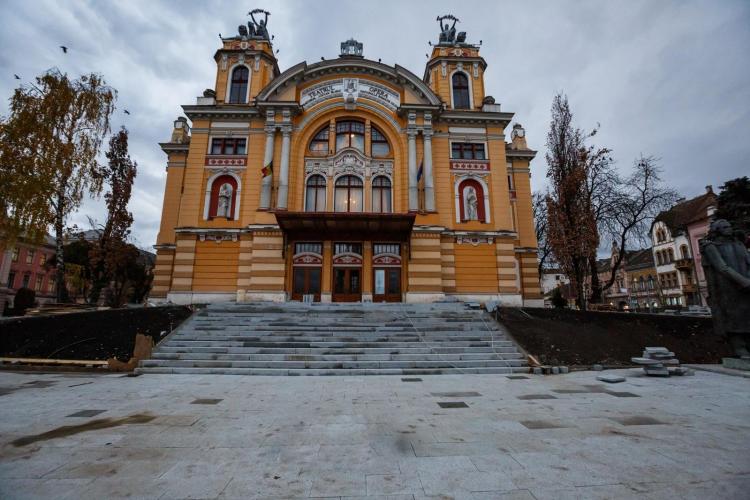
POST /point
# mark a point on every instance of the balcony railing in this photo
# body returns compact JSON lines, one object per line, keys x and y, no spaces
{"x":683,"y":263}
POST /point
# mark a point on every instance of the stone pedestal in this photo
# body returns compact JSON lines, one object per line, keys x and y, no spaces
{"x":736,"y":363}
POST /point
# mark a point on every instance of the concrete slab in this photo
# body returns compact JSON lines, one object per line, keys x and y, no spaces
{"x":374,"y":437}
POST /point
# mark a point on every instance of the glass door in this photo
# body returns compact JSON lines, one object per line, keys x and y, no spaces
{"x":306,"y":281}
{"x":386,"y":284}
{"x":347,"y":284}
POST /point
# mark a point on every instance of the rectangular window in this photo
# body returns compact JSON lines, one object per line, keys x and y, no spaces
{"x":30,"y":256}
{"x":467,"y":151}
{"x":26,"y":279}
{"x":51,"y":284}
{"x":38,"y":285}
{"x":355,"y":248}
{"x":43,"y":259}
{"x":308,"y":247}
{"x":15,"y":254}
{"x":228,"y":146}
{"x":379,"y":248}
{"x":11,"y":279}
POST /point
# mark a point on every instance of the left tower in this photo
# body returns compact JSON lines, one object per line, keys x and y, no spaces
{"x":209,"y":192}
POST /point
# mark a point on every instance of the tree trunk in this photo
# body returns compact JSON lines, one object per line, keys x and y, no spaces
{"x":62,"y":290}
{"x":596,"y":286}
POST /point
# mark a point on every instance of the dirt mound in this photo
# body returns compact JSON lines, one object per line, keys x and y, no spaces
{"x":568,"y":337}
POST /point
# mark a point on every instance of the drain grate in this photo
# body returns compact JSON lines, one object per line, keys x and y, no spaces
{"x":638,"y":420}
{"x":541,"y":424}
{"x":86,"y":413}
{"x":411,"y":380}
{"x":455,"y":394}
{"x":536,"y":396}
{"x":623,"y":394}
{"x":453,"y":404}
{"x":206,"y":401}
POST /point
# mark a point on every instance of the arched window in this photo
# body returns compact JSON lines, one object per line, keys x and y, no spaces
{"x":471,"y":199}
{"x":650,"y":282}
{"x":684,"y":251}
{"x":315,"y":195}
{"x":671,"y":255}
{"x":319,"y":143}
{"x":460,"y":91}
{"x":223,"y":197}
{"x":348,"y":194}
{"x":381,"y":194}
{"x":350,"y":134}
{"x":380,"y":146}
{"x":238,"y":89}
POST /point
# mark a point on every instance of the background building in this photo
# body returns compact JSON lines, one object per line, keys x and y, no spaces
{"x":675,"y":234}
{"x":26,"y":265}
{"x":347,"y":180}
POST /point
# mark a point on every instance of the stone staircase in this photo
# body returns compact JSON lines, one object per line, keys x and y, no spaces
{"x":337,"y":339}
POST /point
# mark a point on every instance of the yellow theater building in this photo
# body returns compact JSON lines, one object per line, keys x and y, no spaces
{"x":346,"y":180}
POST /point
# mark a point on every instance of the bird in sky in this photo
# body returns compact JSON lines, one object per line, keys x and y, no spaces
{"x":64,"y":49}
{"x":126,"y":111}
{"x":16,"y":76}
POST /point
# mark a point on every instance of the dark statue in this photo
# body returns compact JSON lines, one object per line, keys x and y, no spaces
{"x":260,"y":29}
{"x":448,"y":34}
{"x":255,"y":28}
{"x":726,"y":263}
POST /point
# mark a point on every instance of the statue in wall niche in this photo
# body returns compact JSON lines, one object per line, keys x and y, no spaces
{"x":225,"y":201}
{"x":471,"y":203}
{"x":726,"y":263}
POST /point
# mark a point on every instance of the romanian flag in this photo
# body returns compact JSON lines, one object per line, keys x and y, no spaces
{"x":420,"y":171}
{"x":268,"y":169}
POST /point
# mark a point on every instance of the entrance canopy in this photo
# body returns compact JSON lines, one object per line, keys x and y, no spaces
{"x":345,"y":225}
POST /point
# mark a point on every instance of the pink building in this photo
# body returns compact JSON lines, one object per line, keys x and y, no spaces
{"x":26,"y":265}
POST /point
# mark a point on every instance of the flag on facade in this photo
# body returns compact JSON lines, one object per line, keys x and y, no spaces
{"x":421,"y":170}
{"x":268,"y":169}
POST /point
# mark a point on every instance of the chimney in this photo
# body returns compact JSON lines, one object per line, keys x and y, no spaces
{"x":181,"y":131}
{"x":709,"y":189}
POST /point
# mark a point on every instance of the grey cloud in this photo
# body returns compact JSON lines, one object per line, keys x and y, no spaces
{"x":664,"y":78}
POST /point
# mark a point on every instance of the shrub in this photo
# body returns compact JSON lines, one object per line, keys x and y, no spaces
{"x":25,"y":298}
{"x":558,"y":301}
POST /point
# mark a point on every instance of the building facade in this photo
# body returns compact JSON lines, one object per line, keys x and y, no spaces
{"x":26,"y":265}
{"x":675,"y":235}
{"x":346,"y":180}
{"x":636,"y":286}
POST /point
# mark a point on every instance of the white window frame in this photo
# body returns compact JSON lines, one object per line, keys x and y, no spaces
{"x":209,"y":185}
{"x":471,"y":88}
{"x":229,"y":83}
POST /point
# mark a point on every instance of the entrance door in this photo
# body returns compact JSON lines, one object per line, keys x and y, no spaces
{"x":387,"y":284}
{"x":347,"y":284}
{"x":306,"y":281}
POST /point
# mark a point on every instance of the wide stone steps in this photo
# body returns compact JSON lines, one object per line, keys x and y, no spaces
{"x":331,"y":357}
{"x":359,"y":339}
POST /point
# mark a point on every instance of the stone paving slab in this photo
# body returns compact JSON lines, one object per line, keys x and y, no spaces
{"x":374,"y":438}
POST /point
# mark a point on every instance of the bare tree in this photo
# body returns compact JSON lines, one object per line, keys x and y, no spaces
{"x":539,"y":210}
{"x":632,"y":206}
{"x":571,"y":228}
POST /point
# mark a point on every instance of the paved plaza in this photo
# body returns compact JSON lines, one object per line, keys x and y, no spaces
{"x":380,"y":437}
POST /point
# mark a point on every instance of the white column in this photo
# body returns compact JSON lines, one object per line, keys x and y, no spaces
{"x":429,"y":190}
{"x":265,"y":189}
{"x":413,"y":192}
{"x":286,"y":134}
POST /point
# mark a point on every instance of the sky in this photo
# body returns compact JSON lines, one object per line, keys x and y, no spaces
{"x":669,"y":78}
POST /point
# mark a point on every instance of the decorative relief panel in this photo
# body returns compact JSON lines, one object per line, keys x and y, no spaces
{"x":386,"y":260}
{"x":474,"y":240}
{"x":347,"y":259}
{"x":217,"y":237}
{"x":470,"y":166}
{"x":308,"y":259}
{"x":218,"y":161}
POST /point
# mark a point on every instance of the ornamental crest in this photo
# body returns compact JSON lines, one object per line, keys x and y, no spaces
{"x":308,"y":259}
{"x":474,"y":240}
{"x":217,"y":237}
{"x":347,"y":259}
